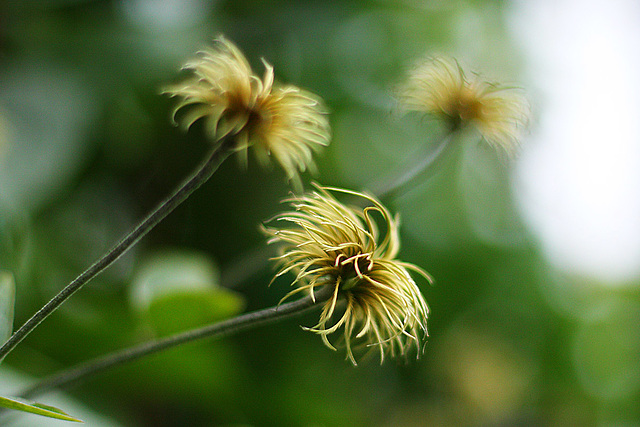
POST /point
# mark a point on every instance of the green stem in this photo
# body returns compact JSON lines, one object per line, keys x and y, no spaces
{"x":248,"y":264}
{"x":395,"y":187}
{"x":202,"y":174}
{"x":217,"y":330}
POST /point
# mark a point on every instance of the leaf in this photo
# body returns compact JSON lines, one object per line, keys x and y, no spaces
{"x":14,"y":236}
{"x":172,"y":271}
{"x":36,"y":408}
{"x":42,"y":127}
{"x":178,"y":290}
{"x":185,"y":310}
{"x":7,"y":300}
{"x":489,"y":205}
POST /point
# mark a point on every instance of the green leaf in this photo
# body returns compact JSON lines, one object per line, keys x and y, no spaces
{"x":185,"y":310}
{"x":172,"y":271}
{"x":36,"y":408}
{"x":486,"y":191}
{"x":15,"y":236}
{"x":7,"y":299}
{"x":29,"y":177}
{"x":177,"y":290}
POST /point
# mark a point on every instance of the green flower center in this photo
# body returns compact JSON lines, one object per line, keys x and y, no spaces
{"x":348,"y":274}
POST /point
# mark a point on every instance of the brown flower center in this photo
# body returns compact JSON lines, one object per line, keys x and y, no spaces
{"x":464,"y":107}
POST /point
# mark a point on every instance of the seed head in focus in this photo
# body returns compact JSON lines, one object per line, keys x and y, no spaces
{"x":329,"y":244}
{"x":439,"y":86}
{"x":279,"y":121}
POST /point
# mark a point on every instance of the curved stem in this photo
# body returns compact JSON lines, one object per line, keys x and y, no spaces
{"x":396,"y":187}
{"x":246,"y":265}
{"x":217,"y":330}
{"x":228,"y":327}
{"x":202,"y":174}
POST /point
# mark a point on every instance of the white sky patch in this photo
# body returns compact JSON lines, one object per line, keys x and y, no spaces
{"x":579,"y":178}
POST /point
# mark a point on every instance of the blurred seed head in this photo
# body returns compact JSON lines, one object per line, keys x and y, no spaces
{"x":439,"y":86}
{"x":280,"y":121}
{"x":329,"y":244}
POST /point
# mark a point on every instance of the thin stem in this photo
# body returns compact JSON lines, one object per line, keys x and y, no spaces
{"x":228,"y":327}
{"x":217,"y":330}
{"x":395,"y":187}
{"x":388,"y":188}
{"x":202,"y":174}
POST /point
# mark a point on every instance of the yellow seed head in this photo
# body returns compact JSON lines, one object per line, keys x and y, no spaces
{"x":280,"y":121}
{"x":326,"y":243}
{"x":438,"y":86}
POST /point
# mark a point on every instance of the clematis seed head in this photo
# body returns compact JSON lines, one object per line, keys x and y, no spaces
{"x":281,"y":122}
{"x":375,"y":301}
{"x":439,"y":87}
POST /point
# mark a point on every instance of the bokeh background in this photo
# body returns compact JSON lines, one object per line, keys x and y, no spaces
{"x":536,"y":305}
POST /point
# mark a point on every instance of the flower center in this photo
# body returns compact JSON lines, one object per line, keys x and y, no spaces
{"x":463,"y":106}
{"x":350,"y":273}
{"x":467,"y":107}
{"x":259,"y":120}
{"x":255,"y":120}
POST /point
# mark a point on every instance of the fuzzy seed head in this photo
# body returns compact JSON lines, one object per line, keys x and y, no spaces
{"x":326,"y":243}
{"x":280,"y":122}
{"x":439,"y":86}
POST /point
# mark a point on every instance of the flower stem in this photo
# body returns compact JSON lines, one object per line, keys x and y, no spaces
{"x":385,"y":189}
{"x":395,"y":187}
{"x":202,"y":174}
{"x":388,"y":188}
{"x":217,"y":330}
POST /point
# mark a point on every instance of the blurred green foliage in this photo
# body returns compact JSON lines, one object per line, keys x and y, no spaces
{"x":87,"y":149}
{"x":7,"y":300}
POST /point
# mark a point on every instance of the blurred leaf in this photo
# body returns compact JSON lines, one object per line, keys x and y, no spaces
{"x":15,"y":239}
{"x":36,"y":408}
{"x":49,"y":111}
{"x":172,"y":271}
{"x":179,"y":290}
{"x":189,"y":309}
{"x":484,"y":184}
{"x":606,"y":350}
{"x":7,"y":301}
